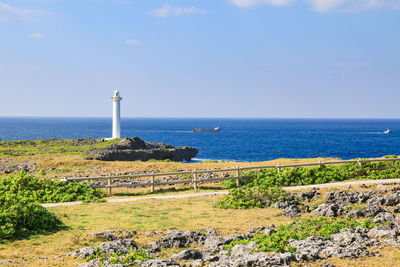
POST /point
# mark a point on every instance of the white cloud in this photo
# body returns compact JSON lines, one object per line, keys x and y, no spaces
{"x":166,"y":11}
{"x":36,"y":35}
{"x":133,"y":42}
{"x":8,"y":12}
{"x":252,"y":3}
{"x":326,"y":6}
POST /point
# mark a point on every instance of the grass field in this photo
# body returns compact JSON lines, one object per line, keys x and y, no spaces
{"x":23,"y":148}
{"x":147,"y":215}
{"x":64,"y":165}
{"x":143,"y":215}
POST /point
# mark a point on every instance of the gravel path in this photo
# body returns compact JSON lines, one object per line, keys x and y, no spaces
{"x":290,"y":188}
{"x":117,"y":200}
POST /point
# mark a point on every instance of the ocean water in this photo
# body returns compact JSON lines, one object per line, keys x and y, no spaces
{"x":240,"y":139}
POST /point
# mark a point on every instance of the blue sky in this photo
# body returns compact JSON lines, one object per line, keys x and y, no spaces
{"x":201,"y":58}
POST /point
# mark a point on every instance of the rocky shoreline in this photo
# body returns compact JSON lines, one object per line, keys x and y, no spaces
{"x":131,"y":149}
{"x":206,"y":247}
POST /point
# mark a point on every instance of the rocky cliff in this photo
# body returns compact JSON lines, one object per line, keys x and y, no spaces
{"x":131,"y":149}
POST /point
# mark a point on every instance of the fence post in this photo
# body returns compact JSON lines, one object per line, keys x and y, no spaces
{"x":278,"y":167}
{"x":195,"y":180}
{"x":320,"y":165}
{"x":152,"y":182}
{"x":359,"y":162}
{"x":237,"y":175}
{"x":109,"y":186}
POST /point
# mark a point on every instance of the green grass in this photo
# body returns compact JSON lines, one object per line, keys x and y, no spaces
{"x":253,"y":197}
{"x":50,"y":147}
{"x":45,"y":190}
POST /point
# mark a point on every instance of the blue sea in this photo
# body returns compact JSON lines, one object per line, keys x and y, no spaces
{"x":240,"y":139}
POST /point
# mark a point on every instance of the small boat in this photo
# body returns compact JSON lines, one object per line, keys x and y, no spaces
{"x":387,"y":131}
{"x":198,"y":130}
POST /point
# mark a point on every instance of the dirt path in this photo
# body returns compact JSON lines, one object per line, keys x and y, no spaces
{"x":290,"y":188}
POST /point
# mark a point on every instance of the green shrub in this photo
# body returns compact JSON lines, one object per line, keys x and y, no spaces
{"x":252,"y":197}
{"x":48,"y":191}
{"x":318,"y":175}
{"x":21,"y":216}
{"x":128,"y":258}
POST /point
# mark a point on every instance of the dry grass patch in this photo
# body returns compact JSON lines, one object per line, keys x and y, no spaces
{"x":76,"y":165}
{"x":142,"y":216}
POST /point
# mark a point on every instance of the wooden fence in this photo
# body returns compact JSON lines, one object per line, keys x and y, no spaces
{"x":195,"y":174}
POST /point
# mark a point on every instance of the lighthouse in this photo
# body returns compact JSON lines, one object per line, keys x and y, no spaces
{"x":116,"y":127}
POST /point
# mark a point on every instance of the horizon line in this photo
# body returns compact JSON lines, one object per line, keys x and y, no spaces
{"x":292,"y":118}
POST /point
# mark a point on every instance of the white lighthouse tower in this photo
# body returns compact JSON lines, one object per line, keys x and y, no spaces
{"x":116,"y":127}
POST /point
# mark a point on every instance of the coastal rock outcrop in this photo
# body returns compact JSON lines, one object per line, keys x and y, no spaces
{"x":131,"y":149}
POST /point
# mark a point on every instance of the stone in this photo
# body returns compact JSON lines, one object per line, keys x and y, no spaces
{"x":256,"y":229}
{"x":188,"y":254}
{"x":178,"y":239}
{"x":83,"y":252}
{"x":196,"y":263}
{"x":384,"y":217}
{"x":243,"y":249}
{"x":151,"y":233}
{"x":314,"y":248}
{"x":342,"y":198}
{"x":120,"y":245}
{"x":213,"y":242}
{"x":392,"y":200}
{"x":382,"y":232}
{"x":91,"y":263}
{"x":291,"y":211}
{"x":253,"y":259}
{"x":328,"y":210}
{"x":308,"y":196}
{"x":371,"y":210}
{"x":285,"y":204}
{"x":159,"y":263}
{"x":355,"y":213}
{"x":268,"y":232}
{"x":113,"y":234}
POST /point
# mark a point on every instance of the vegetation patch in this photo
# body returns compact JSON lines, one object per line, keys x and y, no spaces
{"x":319,"y":174}
{"x":45,"y":190}
{"x":51,"y":146}
{"x":21,"y":216}
{"x":253,"y":197}
{"x":301,"y":229}
{"x":128,"y":258}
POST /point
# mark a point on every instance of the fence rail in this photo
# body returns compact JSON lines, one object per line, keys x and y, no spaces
{"x":195,"y":181}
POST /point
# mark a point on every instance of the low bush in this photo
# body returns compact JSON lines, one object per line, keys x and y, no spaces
{"x":128,"y":258}
{"x":21,"y":216}
{"x":251,"y":197}
{"x":301,"y":229}
{"x":48,"y":191}
{"x":319,"y":175}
